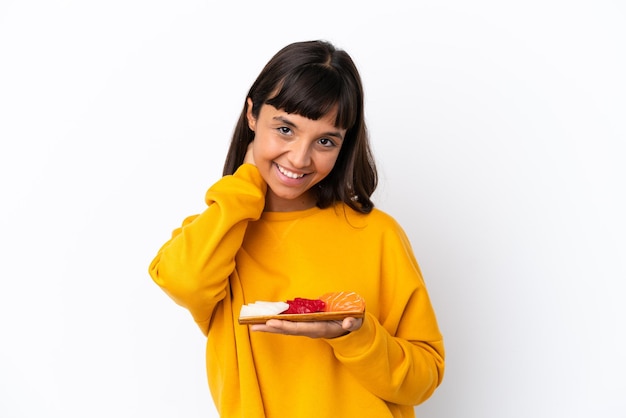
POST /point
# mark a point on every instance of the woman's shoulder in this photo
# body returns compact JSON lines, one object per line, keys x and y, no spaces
{"x":376,"y":218}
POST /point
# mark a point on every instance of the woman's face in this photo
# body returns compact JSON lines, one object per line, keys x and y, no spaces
{"x":293,"y":154}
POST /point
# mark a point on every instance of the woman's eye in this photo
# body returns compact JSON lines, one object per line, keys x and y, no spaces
{"x":326,"y":142}
{"x":284,"y":130}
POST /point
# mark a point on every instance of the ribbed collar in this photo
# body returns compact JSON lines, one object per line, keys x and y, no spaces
{"x":289,"y":216}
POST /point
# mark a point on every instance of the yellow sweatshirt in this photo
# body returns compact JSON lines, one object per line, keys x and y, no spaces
{"x":234,"y":253}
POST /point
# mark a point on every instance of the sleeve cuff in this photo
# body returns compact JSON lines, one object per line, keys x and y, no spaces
{"x":357,"y":342}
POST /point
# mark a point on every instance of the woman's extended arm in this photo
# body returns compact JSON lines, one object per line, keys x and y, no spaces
{"x":399,"y":353}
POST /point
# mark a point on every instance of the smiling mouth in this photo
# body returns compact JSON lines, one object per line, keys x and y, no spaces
{"x":289,"y":174}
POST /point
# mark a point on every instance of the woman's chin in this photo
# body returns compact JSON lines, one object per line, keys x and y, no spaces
{"x":284,"y":202}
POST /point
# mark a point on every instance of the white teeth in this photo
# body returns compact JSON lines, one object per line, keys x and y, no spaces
{"x":289,"y":173}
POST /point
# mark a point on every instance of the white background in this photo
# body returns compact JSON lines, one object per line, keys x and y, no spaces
{"x":498,"y":129}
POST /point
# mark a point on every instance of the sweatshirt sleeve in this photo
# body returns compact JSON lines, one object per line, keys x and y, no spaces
{"x":194,"y":265}
{"x":399,"y":353}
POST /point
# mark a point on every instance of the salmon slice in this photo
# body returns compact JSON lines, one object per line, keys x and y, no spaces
{"x":343,"y":301}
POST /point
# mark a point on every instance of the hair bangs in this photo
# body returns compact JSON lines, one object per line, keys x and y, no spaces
{"x":315,"y":91}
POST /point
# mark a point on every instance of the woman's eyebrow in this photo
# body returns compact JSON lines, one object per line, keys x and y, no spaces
{"x":285,"y":121}
{"x":282,"y":119}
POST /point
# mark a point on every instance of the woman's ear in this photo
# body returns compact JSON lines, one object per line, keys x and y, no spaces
{"x":250,"y":116}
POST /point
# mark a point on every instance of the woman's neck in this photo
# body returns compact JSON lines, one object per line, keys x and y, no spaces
{"x":274,"y":203}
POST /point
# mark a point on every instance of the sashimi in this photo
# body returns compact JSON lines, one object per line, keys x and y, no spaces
{"x":303,"y":305}
{"x":343,"y":301}
{"x":328,"y":305}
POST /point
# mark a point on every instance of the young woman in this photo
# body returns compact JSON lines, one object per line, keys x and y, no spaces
{"x":292,"y":217}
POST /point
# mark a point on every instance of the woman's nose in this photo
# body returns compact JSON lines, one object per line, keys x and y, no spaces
{"x":300,"y":155}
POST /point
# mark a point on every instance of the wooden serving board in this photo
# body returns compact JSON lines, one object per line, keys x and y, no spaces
{"x":306,"y":317}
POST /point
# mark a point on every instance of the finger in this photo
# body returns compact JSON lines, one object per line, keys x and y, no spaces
{"x":351,"y":324}
{"x":308,"y":329}
{"x":272,"y":325}
{"x":278,"y":326}
{"x":347,"y":324}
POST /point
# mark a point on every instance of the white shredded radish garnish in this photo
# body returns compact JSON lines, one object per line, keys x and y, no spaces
{"x":263,"y":308}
